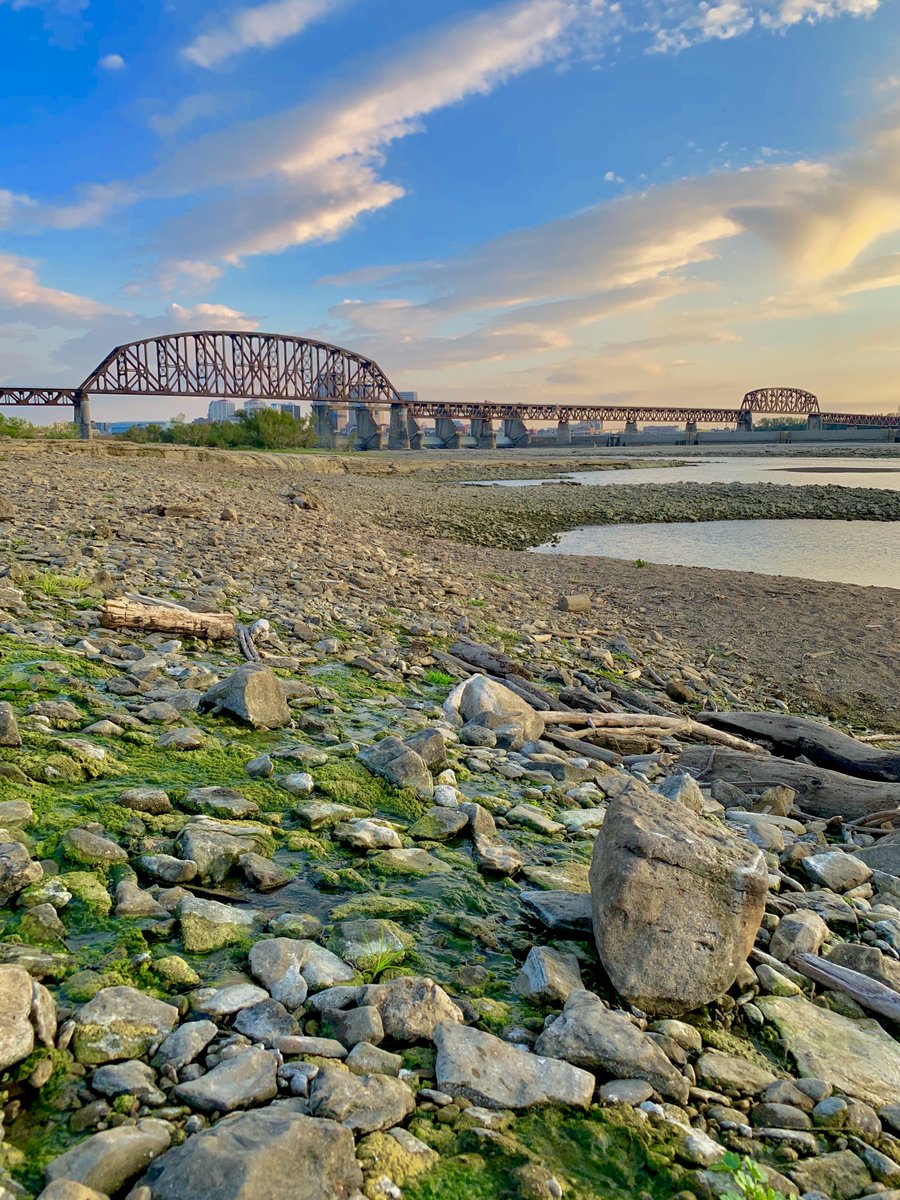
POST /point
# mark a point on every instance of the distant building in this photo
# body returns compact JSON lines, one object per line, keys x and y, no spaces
{"x":115,"y":427}
{"x":292,"y":410}
{"x":221,"y":410}
{"x":661,"y":429}
{"x":254,"y":406}
{"x":409,"y":397}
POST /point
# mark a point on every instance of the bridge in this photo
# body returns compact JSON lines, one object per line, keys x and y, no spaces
{"x":239,"y":365}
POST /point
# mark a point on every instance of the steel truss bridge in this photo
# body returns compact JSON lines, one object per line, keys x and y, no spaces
{"x":238,"y":365}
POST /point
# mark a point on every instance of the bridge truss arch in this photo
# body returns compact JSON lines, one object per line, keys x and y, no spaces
{"x":780,"y":401}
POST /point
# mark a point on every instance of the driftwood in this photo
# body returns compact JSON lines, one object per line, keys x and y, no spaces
{"x":651,"y":726}
{"x":127,"y":614}
{"x":871,"y":994}
{"x":822,"y":746}
{"x":819,"y":792}
{"x":486,"y":659}
{"x":639,"y":700}
{"x":585,"y":749}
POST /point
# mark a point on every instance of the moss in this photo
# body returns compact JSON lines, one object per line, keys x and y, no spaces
{"x":88,"y":890}
{"x":377,"y":905}
{"x":38,"y":1134}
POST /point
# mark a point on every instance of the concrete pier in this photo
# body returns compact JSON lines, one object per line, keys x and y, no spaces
{"x":484,"y":434}
{"x":563,"y":433}
{"x":325,"y":422}
{"x":515,"y":430}
{"x":446,"y":432}
{"x":368,"y":435}
{"x":631,"y":428}
{"x":398,"y":430}
{"x":83,"y":415}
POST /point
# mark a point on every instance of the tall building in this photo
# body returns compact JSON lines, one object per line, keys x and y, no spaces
{"x":411,"y":397}
{"x":221,"y":410}
{"x":254,"y":406}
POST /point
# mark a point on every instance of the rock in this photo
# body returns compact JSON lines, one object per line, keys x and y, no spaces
{"x":548,"y":977}
{"x":677,"y":902}
{"x":16,"y":1030}
{"x":482,"y":701}
{"x":366,"y":1059}
{"x":364,"y":834}
{"x":266,"y":1022}
{"x":836,"y":870}
{"x":561,"y":876}
{"x":841,"y":1175}
{"x":368,"y":943}
{"x":801,"y":932}
{"x":9,"y":730}
{"x":399,"y":765}
{"x":219,"y":802}
{"x":222,"y":1002}
{"x":411,"y":1008}
{"x":868,"y":960}
{"x":215,"y":846}
{"x":593,"y":1036}
{"x":109,"y":1160}
{"x":145,"y":800}
{"x":833,"y":909}
{"x":578,"y":602}
{"x":17,"y":871}
{"x":90,"y":849}
{"x":396,"y":1156}
{"x":271,"y":1154}
{"x":167,"y":869}
{"x":252,"y":694}
{"x":262,"y":874}
{"x":409,"y":862}
{"x":209,"y":925}
{"x":497,"y":1074}
{"x":295,"y":925}
{"x":132,"y":901}
{"x":181,"y":739}
{"x":626,"y":1091}
{"x":355,"y":1025}
{"x":530,"y":817}
{"x":184,"y":1044}
{"x":733,"y":1075}
{"x":134,"y":1078}
{"x":883,"y":856}
{"x":120,"y":1022}
{"x":439,"y":824}
{"x":561,"y":912}
{"x":362,"y":1103}
{"x":682,"y":788}
{"x":316,"y":1047}
{"x":277,"y":964}
{"x":249,"y":1078}
{"x":68,"y":1189}
{"x":855,"y":1056}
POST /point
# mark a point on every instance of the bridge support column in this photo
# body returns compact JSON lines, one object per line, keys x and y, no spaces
{"x":690,"y":427}
{"x":483,"y":433}
{"x":563,"y":433}
{"x":398,"y":430}
{"x":82,"y":417}
{"x":446,"y":432}
{"x":416,"y":440}
{"x":368,"y":435}
{"x":814,"y":422}
{"x":745,"y":420}
{"x":631,"y":427}
{"x":325,"y":419}
{"x":514,"y":429}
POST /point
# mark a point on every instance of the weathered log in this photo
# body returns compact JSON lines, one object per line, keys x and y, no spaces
{"x":640,"y":700}
{"x":821,"y":745}
{"x":126,"y":614}
{"x":651,"y":726}
{"x":875,"y":996}
{"x":489,"y":660}
{"x":585,"y":749}
{"x":819,"y":792}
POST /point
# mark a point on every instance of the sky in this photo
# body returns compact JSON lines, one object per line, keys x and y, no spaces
{"x":642,"y":201}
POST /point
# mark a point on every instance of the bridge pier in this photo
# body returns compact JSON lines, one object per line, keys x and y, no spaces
{"x":416,"y":438}
{"x":398,"y":430}
{"x":446,"y":432}
{"x":484,"y":434}
{"x":631,"y":427}
{"x":325,"y":419}
{"x":745,"y":420}
{"x":368,"y":435}
{"x":563,"y":433}
{"x":514,"y":429}
{"x":814,"y":422}
{"x":690,"y":427}
{"x":82,"y":417}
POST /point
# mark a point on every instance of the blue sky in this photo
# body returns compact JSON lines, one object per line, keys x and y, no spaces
{"x":645,"y":201}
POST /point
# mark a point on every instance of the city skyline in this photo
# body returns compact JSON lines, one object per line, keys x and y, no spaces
{"x":551,"y":199}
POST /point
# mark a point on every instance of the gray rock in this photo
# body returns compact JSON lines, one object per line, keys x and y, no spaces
{"x":318,"y":1047}
{"x":548,"y":977}
{"x":400,"y":766}
{"x":363,"y":1103}
{"x":271,"y":1154}
{"x":120,"y":1023}
{"x":266,"y":1022}
{"x":67,"y":1189}
{"x":277,"y":964}
{"x":252,"y":694}
{"x":215,"y":846}
{"x":802,"y":932}
{"x":593,"y":1036}
{"x":15,"y":812}
{"x":153,"y":801}
{"x":184,"y":1044}
{"x":733,"y":1075}
{"x":370,"y":941}
{"x":17,"y":871}
{"x":133,"y":1078}
{"x":841,"y":1175}
{"x":263,"y":874}
{"x":132,"y":901}
{"x":222,"y":1002}
{"x":219,"y":802}
{"x":366,"y":1059}
{"x":90,"y":849}
{"x":836,"y":870}
{"x":354,"y":1025}
{"x":496,"y":1074}
{"x":109,"y":1160}
{"x":560,"y":912}
{"x":411,"y":1007}
{"x":249,"y":1078}
{"x":167,"y":869}
{"x":364,"y":834}
{"x":9,"y":730}
{"x":626,"y":1091}
{"x":16,"y":1030}
{"x":868,"y":960}
{"x":677,"y":903}
{"x":482,"y":701}
{"x":684,"y":789}
{"x":209,"y":925}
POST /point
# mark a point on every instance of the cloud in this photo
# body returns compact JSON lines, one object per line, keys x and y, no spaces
{"x":111,"y":62}
{"x":23,"y":295}
{"x":612,"y":177}
{"x":258,"y":27}
{"x":677,"y":25}
{"x":184,"y":113}
{"x":792,"y":12}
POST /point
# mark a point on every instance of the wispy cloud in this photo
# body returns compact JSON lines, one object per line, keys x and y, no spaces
{"x":23,"y":294}
{"x":258,"y":27}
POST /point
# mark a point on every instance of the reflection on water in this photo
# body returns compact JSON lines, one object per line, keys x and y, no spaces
{"x":879,"y":473}
{"x":865,"y":552}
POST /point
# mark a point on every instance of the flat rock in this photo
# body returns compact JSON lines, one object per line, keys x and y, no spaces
{"x":732,"y":1074}
{"x":153,"y":801}
{"x":497,"y":1074}
{"x":249,"y":1078}
{"x":209,"y":925}
{"x":219,"y":802}
{"x":277,"y":963}
{"x":120,"y":1023}
{"x":401,"y":766}
{"x":548,"y":977}
{"x":107,"y":1161}
{"x":561,"y":911}
{"x":185,"y":1043}
{"x":363,"y":1103}
{"x":411,"y":1008}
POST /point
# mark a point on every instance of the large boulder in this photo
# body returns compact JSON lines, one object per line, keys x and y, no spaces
{"x":253,"y":694}
{"x":270,"y":1154}
{"x":677,"y":903}
{"x":399,"y":765}
{"x":120,"y":1022}
{"x":485,"y":702}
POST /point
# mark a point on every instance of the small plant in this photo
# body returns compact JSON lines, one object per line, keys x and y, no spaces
{"x":438,"y":678}
{"x":639,"y":562}
{"x":750,"y":1182}
{"x":56,"y":585}
{"x":383,"y":957}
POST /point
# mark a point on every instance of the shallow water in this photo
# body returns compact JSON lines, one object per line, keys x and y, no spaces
{"x":862,"y":552}
{"x":881,"y":473}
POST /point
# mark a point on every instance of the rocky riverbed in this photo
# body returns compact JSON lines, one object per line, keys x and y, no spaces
{"x":355,"y":920}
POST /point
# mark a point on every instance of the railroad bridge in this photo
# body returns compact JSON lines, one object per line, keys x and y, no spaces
{"x":239,"y":365}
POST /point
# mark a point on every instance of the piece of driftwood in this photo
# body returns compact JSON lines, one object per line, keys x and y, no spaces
{"x":489,"y":660}
{"x":639,"y":700}
{"x":875,"y":996}
{"x":581,"y":698}
{"x":820,"y":792}
{"x":585,"y":749}
{"x":127,"y":614}
{"x":821,"y":745}
{"x":652,"y":726}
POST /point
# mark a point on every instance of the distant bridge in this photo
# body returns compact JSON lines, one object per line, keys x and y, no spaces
{"x":238,"y":365}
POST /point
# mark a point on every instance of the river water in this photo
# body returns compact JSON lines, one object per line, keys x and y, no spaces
{"x":861,"y":552}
